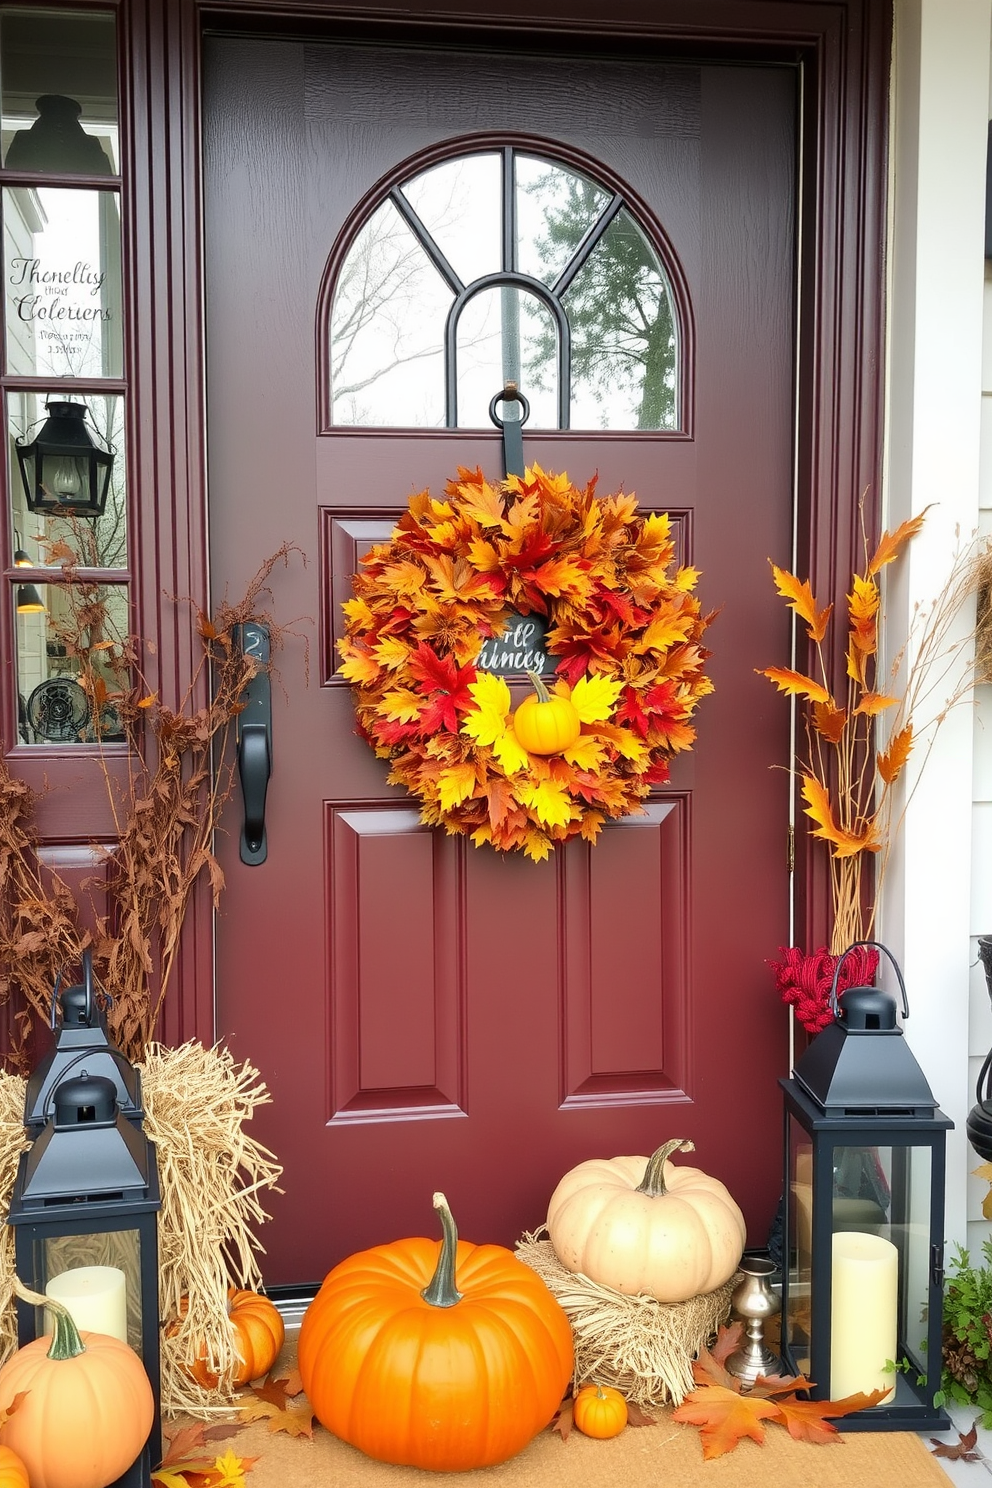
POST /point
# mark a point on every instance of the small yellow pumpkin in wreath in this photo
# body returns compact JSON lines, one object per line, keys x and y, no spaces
{"x":546,"y":723}
{"x":643,"y":1225}
{"x":599,"y":1411}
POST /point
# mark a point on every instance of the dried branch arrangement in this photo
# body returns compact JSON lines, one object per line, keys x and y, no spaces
{"x":848,"y":782}
{"x":178,"y":775}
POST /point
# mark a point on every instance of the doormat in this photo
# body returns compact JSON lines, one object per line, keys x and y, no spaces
{"x":640,"y":1457}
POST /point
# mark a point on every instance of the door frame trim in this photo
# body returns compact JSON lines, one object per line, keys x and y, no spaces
{"x":843,"y":48}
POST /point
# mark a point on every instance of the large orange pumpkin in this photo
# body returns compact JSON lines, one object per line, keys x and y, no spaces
{"x":259,"y":1332}
{"x":445,"y":1357}
{"x":88,"y":1406}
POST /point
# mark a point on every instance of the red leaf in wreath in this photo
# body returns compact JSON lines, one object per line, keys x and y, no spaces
{"x":631,"y":711}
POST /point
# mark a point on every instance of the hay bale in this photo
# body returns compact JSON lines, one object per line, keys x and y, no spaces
{"x":642,"y":1347}
{"x":197,"y":1101}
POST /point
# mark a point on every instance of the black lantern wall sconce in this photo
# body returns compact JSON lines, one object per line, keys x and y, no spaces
{"x":863,"y":1270}
{"x":63,"y":470}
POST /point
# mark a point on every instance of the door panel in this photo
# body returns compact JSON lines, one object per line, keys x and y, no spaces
{"x":428,"y":1014}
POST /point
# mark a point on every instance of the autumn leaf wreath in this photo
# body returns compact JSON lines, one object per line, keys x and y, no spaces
{"x":623,"y":627}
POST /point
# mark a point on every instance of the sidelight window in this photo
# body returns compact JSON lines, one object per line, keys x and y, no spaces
{"x":505,"y":265}
{"x":67,"y":564}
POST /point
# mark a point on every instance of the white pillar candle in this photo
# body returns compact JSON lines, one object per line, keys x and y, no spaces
{"x":96,"y":1297}
{"x":863,"y":1314}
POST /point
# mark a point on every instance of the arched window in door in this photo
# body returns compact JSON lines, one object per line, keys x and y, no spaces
{"x":501,"y":264}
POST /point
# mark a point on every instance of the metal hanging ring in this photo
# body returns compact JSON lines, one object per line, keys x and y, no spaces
{"x":509,"y":394}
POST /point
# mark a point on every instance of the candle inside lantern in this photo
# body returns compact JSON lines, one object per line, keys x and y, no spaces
{"x":96,"y":1297}
{"x":863,"y":1314}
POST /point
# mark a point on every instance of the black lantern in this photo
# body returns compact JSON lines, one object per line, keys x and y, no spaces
{"x":84,"y":1208}
{"x":863,"y":1270}
{"x":62,"y":469}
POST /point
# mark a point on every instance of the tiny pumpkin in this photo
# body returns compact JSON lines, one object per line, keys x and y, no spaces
{"x":87,"y":1409}
{"x":446,"y":1357}
{"x":13,"y":1473}
{"x":259,"y":1333}
{"x":545,"y":723}
{"x":643,"y":1225}
{"x":600,"y":1411}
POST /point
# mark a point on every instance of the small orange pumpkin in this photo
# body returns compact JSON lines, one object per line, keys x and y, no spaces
{"x":259,"y":1332}
{"x":546,"y":724}
{"x":445,"y":1357}
{"x":88,"y":1405}
{"x":13,"y":1473}
{"x":600,"y":1411}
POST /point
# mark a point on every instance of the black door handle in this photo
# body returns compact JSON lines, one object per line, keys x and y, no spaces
{"x":254,"y":735}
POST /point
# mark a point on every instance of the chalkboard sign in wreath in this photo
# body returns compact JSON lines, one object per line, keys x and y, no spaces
{"x":617,"y":634}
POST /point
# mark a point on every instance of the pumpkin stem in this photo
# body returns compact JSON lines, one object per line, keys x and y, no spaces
{"x":543,"y":695}
{"x":66,"y":1342}
{"x":653,"y":1182}
{"x":441,"y":1291}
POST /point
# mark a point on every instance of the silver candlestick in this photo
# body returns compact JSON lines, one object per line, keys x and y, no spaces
{"x":755,"y":1301}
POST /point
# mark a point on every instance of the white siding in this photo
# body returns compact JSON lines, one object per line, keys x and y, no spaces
{"x":941,"y":882}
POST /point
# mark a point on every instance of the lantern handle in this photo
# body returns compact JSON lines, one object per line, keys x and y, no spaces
{"x":78,"y":1059}
{"x":877,"y":946}
{"x":88,"y":979}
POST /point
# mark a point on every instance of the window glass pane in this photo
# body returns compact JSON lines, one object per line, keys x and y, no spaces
{"x":49,"y":538}
{"x":555,"y":209}
{"x":58,"y":91}
{"x":459,"y":203}
{"x":62,"y":278}
{"x":62,"y":698}
{"x":500,"y":331}
{"x":624,"y":352}
{"x":387,"y":329}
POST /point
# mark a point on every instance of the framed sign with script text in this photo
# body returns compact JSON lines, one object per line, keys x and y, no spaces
{"x":520,"y":647}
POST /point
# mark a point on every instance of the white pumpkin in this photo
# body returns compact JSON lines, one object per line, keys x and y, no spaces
{"x":643,"y":1225}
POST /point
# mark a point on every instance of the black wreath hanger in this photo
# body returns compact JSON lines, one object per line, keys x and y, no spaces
{"x":511,"y":429}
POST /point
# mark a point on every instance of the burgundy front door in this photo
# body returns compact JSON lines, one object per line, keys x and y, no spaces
{"x":428,"y":1015}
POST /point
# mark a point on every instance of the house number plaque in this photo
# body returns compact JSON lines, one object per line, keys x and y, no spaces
{"x":520,"y":647}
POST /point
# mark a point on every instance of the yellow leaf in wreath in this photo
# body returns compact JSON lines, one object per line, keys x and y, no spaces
{"x":594,"y":698}
{"x":487,"y":721}
{"x":483,"y":504}
{"x":455,"y":784}
{"x":401,"y":705}
{"x":404,"y":577}
{"x":984,"y":1170}
{"x":359,"y":613}
{"x":391,"y":652}
{"x":550,"y":802}
{"x":666,"y":629}
{"x":536,"y":846}
{"x":587,"y":753}
{"x":686,"y":578}
{"x":358,"y":665}
{"x":592,"y":825}
{"x":482,"y":555}
{"x":510,"y":752}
